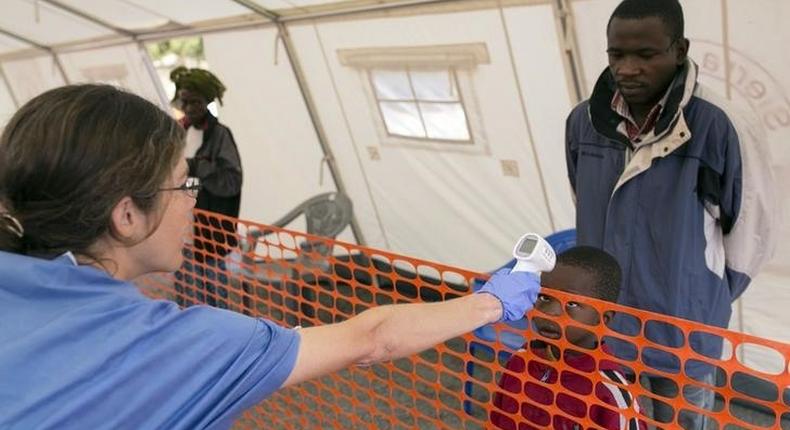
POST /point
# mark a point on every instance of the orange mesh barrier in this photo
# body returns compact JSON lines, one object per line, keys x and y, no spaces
{"x":297,"y":279}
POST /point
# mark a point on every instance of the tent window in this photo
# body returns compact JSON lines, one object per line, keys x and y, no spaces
{"x":423,"y":97}
{"x":421,"y":104}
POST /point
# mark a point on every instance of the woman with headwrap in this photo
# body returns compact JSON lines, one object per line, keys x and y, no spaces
{"x":212,"y":157}
{"x":210,"y":151}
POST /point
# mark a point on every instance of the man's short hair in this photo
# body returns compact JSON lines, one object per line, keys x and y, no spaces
{"x":603,"y":266}
{"x":669,"y":11}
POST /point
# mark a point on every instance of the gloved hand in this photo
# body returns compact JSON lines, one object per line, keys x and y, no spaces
{"x":517,"y":292}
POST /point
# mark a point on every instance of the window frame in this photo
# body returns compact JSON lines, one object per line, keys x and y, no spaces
{"x":408,"y":69}
{"x":460,"y":61}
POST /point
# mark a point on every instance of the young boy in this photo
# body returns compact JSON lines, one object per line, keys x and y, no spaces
{"x":584,"y":271}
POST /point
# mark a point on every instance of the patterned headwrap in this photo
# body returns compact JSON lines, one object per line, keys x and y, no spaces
{"x":198,"y":80}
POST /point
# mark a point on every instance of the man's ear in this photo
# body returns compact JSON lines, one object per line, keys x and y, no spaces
{"x":126,"y":220}
{"x":682,"y":51}
{"x":607,"y":316}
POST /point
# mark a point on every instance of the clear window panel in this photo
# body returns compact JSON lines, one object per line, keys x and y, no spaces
{"x":434,"y":86}
{"x":402,"y":118}
{"x":391,"y":84}
{"x":445,"y":121}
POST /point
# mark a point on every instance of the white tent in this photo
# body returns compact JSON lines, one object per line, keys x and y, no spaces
{"x":442,"y":120}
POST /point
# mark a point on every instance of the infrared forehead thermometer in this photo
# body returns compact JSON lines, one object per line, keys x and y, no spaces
{"x":533,"y":254}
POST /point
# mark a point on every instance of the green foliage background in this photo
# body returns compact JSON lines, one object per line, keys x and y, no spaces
{"x":186,"y":47}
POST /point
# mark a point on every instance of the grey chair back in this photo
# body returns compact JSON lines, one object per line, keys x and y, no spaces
{"x":326,"y":215}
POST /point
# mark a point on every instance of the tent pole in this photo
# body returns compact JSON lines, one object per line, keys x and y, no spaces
{"x":59,"y":65}
{"x":9,"y":88}
{"x":378,"y":7}
{"x":570,"y":48}
{"x":525,"y":117}
{"x":307,"y":97}
{"x":243,"y":23}
{"x":316,"y":121}
{"x":258,"y":9}
{"x":44,"y":48}
{"x":149,"y":67}
{"x":90,"y":18}
{"x":725,"y":45}
{"x":725,"y":42}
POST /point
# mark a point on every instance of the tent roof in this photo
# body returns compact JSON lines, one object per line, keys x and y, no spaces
{"x":28,"y":24}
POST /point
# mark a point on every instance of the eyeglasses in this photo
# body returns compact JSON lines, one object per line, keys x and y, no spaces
{"x":192,"y":187}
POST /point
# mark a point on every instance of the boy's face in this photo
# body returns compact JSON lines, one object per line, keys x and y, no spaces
{"x":572,"y":280}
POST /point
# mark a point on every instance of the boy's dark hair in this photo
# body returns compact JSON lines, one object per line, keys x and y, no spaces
{"x":669,"y":11}
{"x":598,"y":262}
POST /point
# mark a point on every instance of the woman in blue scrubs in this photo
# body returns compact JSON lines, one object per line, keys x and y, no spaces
{"x":95,"y":192}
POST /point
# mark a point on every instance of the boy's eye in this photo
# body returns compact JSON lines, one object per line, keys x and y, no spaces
{"x":573,"y":305}
{"x":544,"y":298}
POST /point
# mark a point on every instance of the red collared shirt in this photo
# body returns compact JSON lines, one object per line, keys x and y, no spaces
{"x":629,"y":127}
{"x":575,"y":375}
{"x":184,"y":121}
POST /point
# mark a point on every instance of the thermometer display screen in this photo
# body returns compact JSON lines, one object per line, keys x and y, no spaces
{"x":527,"y":246}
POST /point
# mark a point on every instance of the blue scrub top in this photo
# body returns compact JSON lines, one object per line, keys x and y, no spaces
{"x":81,"y":350}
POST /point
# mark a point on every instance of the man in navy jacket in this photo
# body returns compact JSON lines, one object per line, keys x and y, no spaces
{"x":672,"y":184}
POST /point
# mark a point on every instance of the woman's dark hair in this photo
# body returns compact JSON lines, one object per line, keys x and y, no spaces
{"x":69,"y":155}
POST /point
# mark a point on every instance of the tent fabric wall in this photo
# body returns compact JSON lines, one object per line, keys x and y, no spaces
{"x":118,"y":65}
{"x":537,"y":54}
{"x":32,"y":76}
{"x":280,"y":153}
{"x":122,"y":65}
{"x":438,"y":203}
{"x":758,"y":83}
{"x":463,"y":209}
{"x":36,"y":21}
{"x":132,"y":14}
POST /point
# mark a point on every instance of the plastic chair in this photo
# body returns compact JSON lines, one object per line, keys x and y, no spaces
{"x":326,"y":215}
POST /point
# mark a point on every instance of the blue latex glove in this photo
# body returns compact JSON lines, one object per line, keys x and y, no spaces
{"x":516,"y":291}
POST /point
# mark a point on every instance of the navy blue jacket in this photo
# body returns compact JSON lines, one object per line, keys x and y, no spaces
{"x":688,"y":214}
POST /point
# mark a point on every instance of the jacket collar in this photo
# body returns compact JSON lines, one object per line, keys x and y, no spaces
{"x":605,"y":120}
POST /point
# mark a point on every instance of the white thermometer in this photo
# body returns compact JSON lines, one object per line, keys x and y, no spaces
{"x":533,"y":254}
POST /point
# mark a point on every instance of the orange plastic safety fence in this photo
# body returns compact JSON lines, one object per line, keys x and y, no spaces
{"x":297,"y":279}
